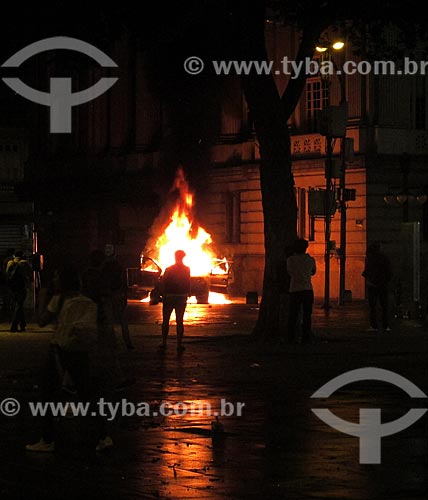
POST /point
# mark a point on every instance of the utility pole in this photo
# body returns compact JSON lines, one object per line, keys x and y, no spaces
{"x":342,"y":186}
{"x":343,"y":220}
{"x":336,"y":127}
{"x":327,"y":220}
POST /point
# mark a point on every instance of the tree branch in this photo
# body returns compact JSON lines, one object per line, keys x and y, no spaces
{"x":310,"y":36}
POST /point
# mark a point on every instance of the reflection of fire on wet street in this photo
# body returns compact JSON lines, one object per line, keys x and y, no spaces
{"x":213,"y":298}
{"x":175,"y":229}
{"x":195,"y":314}
{"x":216,"y":319}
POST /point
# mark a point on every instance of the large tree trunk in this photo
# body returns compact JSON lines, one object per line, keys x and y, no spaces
{"x":279,"y":202}
{"x":271,"y":113}
{"x":280,"y":214}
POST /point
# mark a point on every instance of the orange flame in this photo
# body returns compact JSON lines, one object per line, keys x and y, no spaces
{"x":182,"y":232}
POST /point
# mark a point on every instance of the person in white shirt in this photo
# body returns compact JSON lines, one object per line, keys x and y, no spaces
{"x":72,"y":351}
{"x":301,"y":267}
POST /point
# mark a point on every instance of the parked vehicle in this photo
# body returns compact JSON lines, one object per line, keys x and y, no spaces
{"x":144,"y":279}
{"x":144,"y":282}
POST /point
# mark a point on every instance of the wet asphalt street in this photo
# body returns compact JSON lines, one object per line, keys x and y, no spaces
{"x":277,"y":447}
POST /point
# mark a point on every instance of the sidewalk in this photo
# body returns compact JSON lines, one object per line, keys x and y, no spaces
{"x":276,"y":449}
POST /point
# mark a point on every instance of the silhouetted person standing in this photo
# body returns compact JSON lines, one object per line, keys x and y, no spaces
{"x":378,"y":274}
{"x":175,"y":288}
{"x":95,"y":285}
{"x":18,"y":272}
{"x":301,"y":267}
{"x":115,"y":280}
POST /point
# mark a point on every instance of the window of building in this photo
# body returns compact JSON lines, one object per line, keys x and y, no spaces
{"x":233,"y":217}
{"x":317,"y":94}
{"x":301,"y":212}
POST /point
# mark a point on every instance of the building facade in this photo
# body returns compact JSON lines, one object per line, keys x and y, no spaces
{"x":105,"y":182}
{"x":387,"y":120}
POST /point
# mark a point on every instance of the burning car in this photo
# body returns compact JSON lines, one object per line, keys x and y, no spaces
{"x":176,"y":228}
{"x":216,"y":281}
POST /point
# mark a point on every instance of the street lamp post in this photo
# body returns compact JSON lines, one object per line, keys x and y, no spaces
{"x":327,"y":212}
{"x":342,"y":186}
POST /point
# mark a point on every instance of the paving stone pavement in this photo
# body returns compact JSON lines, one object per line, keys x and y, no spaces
{"x":277,"y":449}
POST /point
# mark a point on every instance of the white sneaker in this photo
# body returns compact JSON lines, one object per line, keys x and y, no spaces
{"x":41,"y":446}
{"x":104,"y":444}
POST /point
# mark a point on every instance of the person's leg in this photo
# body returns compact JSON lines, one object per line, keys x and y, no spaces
{"x":167,"y":308}
{"x":383,"y":301}
{"x":49,"y":385}
{"x":16,"y":310}
{"x":76,"y":363}
{"x":123,"y":317}
{"x":51,"y":381}
{"x":120,"y":314}
{"x":68,"y":383}
{"x":79,"y":366}
{"x":107,"y":344}
{"x":125,"y":327}
{"x":106,"y":313}
{"x":372,"y":296}
{"x":180,"y":307}
{"x":14,"y":322}
{"x":293,"y":312}
{"x":308,"y":301}
{"x":21,"y":314}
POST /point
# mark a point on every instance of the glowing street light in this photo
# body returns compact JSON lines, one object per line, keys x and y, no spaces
{"x":325,"y":54}
{"x":338,"y":45}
